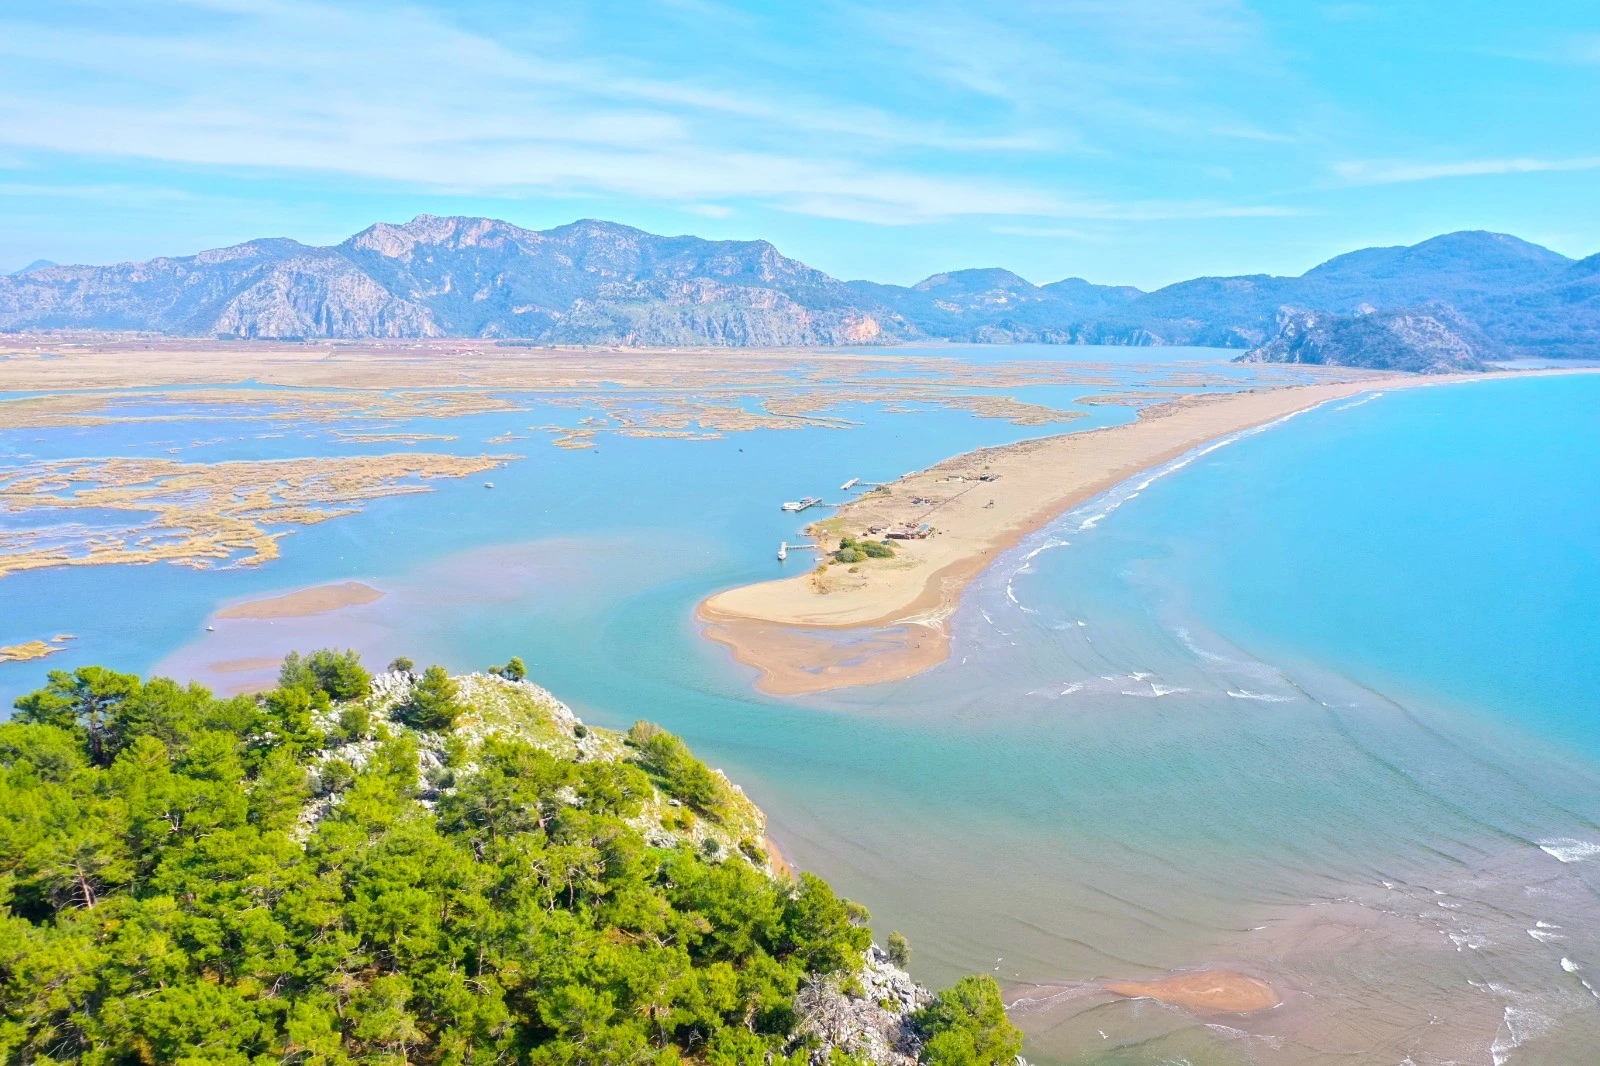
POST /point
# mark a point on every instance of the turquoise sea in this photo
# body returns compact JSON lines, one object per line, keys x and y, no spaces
{"x":1318,"y":704}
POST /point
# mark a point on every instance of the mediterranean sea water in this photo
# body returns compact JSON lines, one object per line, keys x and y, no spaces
{"x":1318,"y":705}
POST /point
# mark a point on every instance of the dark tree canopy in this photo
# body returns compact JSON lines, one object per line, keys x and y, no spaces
{"x":432,"y":705}
{"x":164,"y":897}
{"x":966,"y":1025}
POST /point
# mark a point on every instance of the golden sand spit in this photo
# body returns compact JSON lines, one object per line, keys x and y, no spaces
{"x":1218,"y":991}
{"x":972,"y":508}
{"x":34,"y":649}
{"x":198,"y":514}
{"x":304,"y":603}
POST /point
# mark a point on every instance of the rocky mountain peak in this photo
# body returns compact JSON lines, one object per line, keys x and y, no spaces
{"x":974,"y":280}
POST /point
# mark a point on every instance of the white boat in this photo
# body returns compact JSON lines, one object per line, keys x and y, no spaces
{"x":801,"y":505}
{"x":848,"y":485}
{"x":783,"y":550}
{"x":488,"y":484}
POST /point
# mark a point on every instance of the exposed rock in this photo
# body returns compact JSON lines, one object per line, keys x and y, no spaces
{"x":872,"y":1020}
{"x":1433,"y":341}
{"x":596,"y":282}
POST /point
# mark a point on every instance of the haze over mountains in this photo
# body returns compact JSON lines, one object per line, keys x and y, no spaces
{"x":1465,"y":296}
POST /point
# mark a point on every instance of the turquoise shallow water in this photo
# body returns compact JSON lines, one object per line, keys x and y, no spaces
{"x":1320,"y":705}
{"x":1329,"y":716}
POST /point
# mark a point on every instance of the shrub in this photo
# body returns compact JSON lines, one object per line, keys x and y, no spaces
{"x":338,"y":674}
{"x":401,"y":665}
{"x":851,"y":550}
{"x":899,"y":949}
{"x":335,"y":775}
{"x":355,"y":722}
{"x":513,"y":670}
{"x":432,"y":705}
{"x":966,"y":1025}
{"x":668,"y":759}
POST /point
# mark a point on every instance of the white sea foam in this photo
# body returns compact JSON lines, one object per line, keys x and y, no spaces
{"x":1012,"y":596}
{"x":1569,"y":849}
{"x":1111,"y":501}
{"x":1543,"y":937}
{"x":1188,"y":642}
{"x":1046,"y":546}
{"x":1542,"y":924}
{"x":1165,"y":690}
{"x":1517,"y":1027}
{"x":1368,"y":398}
{"x":1246,"y":694}
{"x":1568,"y":965}
{"x":1071,"y":688}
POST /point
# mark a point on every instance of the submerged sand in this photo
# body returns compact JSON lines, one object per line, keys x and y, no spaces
{"x":884,"y":620}
{"x":1220,"y":991}
{"x":245,"y":666}
{"x":306,"y":602}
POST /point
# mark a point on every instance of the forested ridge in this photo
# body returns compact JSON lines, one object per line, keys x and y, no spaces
{"x":423,"y":870}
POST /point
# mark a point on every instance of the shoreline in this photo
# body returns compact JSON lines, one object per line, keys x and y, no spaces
{"x":817,"y":632}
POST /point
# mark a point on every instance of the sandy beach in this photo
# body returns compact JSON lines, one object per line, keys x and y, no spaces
{"x":884,"y":619}
{"x":304,"y":603}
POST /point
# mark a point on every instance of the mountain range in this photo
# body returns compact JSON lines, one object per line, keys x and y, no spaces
{"x":1477,"y":295}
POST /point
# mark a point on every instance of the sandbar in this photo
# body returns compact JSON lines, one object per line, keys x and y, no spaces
{"x":1221,"y":991}
{"x":244,"y":666}
{"x":302,"y":604}
{"x":972,"y":507}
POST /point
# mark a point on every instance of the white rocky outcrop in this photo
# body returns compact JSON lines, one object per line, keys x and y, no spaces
{"x":869,"y":1017}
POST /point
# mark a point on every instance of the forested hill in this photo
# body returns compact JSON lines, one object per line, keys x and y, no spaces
{"x":595,"y":282}
{"x":421,"y":869}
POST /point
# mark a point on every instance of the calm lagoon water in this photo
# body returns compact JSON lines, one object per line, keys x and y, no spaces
{"x":1319,"y":705}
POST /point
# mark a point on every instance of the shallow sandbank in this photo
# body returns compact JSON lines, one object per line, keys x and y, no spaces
{"x":243,"y":666}
{"x":794,"y":660}
{"x":1220,"y":991}
{"x":304,"y":603}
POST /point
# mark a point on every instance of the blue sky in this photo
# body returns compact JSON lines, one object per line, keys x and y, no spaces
{"x":1127,"y":141}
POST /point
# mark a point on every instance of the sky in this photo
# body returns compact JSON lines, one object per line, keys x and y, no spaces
{"x":1125,"y":141}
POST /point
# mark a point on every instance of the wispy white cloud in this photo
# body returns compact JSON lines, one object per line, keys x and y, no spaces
{"x":405,"y":95}
{"x":1393,"y":172}
{"x":1567,"y":49}
{"x":1060,"y":233}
